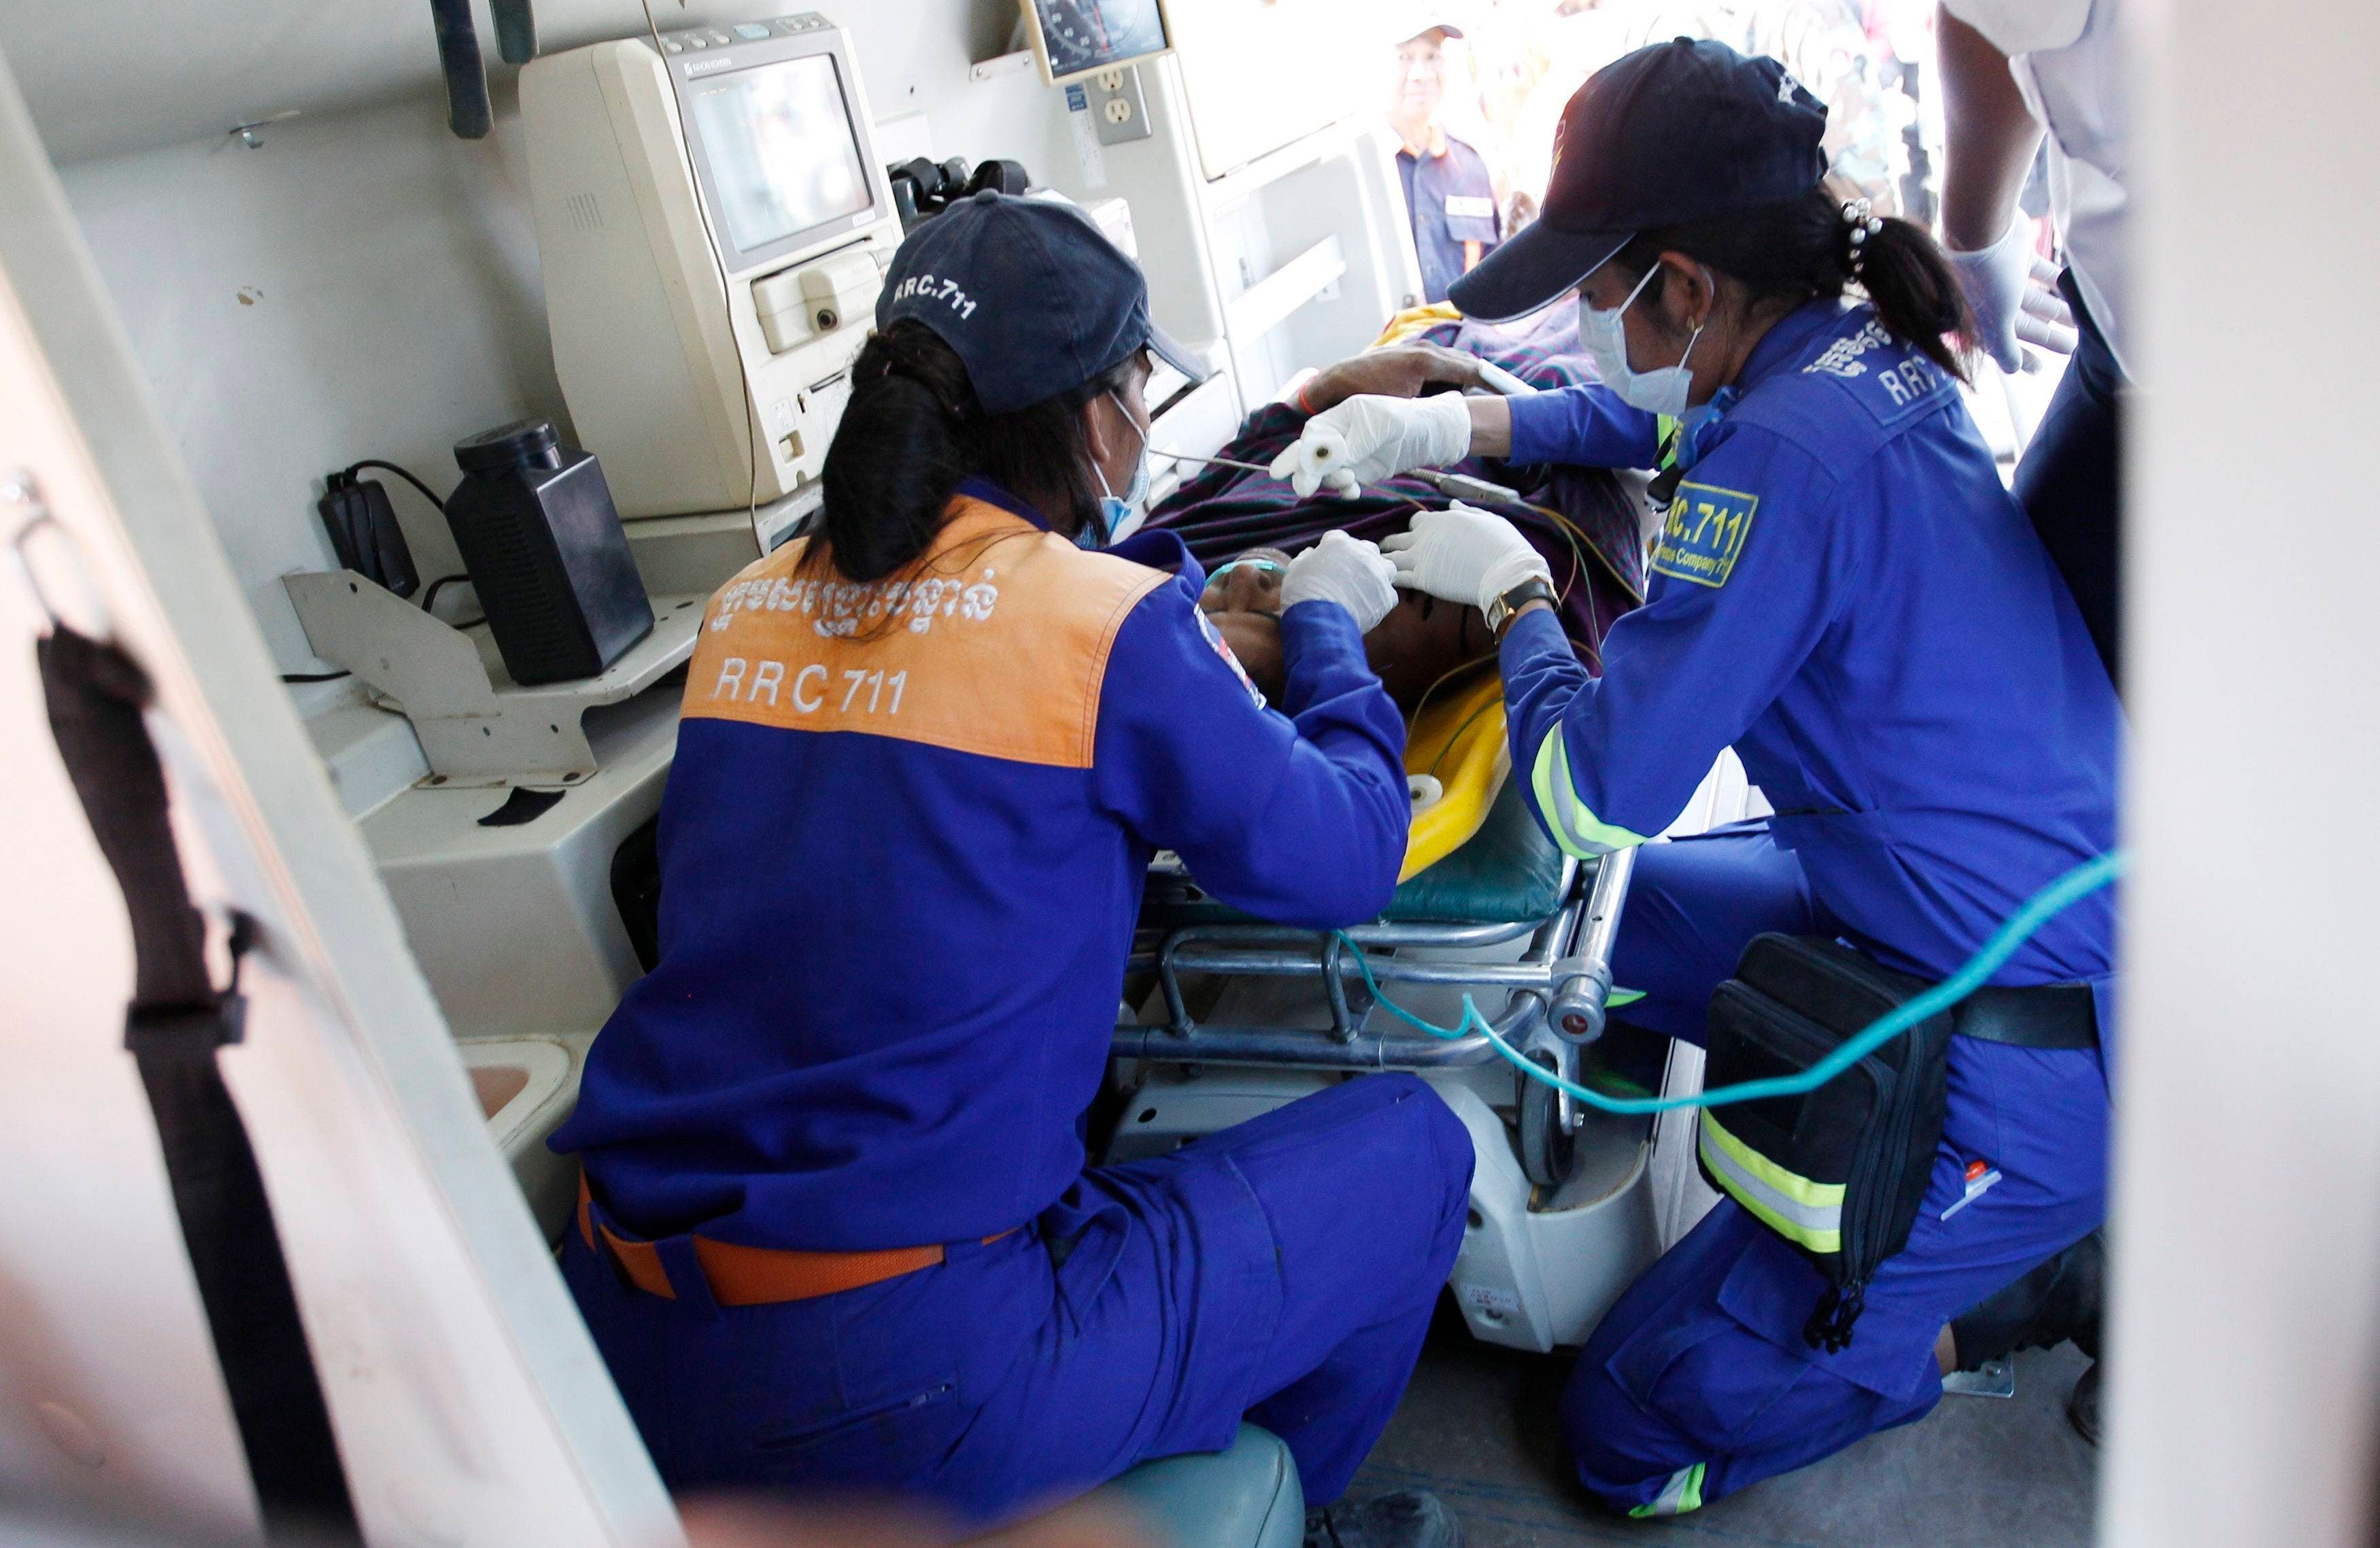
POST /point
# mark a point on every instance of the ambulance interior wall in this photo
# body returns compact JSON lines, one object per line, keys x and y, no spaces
{"x":367,"y":285}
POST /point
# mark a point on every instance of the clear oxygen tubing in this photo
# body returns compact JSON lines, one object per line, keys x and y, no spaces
{"x":2038,"y":909}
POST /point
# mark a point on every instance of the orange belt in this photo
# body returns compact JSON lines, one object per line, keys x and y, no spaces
{"x":758,"y":1276}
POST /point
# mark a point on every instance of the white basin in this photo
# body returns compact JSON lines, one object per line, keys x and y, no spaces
{"x":527,"y":1086}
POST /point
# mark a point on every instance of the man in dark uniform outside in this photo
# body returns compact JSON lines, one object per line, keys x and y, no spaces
{"x":1449,"y":194}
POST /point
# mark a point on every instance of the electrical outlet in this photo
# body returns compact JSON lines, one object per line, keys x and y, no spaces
{"x":1122,"y":113}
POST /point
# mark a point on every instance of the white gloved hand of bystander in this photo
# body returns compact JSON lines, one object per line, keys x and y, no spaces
{"x":1349,"y":571}
{"x":1369,"y":438}
{"x":1465,"y":555}
{"x":2014,"y":293}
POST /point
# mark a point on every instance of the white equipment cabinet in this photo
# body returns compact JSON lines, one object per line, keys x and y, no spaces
{"x":1264,"y":197}
{"x":713,"y":226}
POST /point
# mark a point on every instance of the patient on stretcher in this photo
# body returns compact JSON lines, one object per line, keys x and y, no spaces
{"x":1421,"y":642}
{"x":1581,"y":518}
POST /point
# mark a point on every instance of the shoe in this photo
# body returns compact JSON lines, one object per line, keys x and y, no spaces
{"x":1408,"y":1518}
{"x":2082,"y":1405}
{"x":2056,"y":1301}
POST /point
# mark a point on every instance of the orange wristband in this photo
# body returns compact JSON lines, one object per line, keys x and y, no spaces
{"x":1309,"y":408}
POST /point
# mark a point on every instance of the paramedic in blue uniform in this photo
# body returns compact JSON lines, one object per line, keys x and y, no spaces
{"x":838,"y":1231}
{"x":1842,"y":592}
{"x":1449,"y":196}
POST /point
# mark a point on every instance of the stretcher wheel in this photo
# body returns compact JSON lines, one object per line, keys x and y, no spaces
{"x":1546,"y":1149}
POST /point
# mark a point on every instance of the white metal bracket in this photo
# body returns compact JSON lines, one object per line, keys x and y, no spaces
{"x":476,"y":726}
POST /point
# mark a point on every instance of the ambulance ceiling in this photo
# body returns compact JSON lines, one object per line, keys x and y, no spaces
{"x":136,"y":74}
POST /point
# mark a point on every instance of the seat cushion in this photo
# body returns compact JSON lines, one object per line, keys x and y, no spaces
{"x":1245,"y":1497}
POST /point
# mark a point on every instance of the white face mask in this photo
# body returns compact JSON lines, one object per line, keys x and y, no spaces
{"x":1121,"y":514}
{"x":1662,"y":391}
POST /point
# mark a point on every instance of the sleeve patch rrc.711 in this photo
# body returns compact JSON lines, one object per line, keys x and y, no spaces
{"x":1703,"y":532}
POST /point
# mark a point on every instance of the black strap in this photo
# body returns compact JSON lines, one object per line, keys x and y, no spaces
{"x":2037,"y":1015}
{"x":175,"y":1026}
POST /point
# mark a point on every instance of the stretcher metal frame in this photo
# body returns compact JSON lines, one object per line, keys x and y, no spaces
{"x":1557,"y":993}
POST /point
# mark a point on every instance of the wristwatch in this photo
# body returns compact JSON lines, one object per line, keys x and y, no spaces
{"x":1501,"y":609}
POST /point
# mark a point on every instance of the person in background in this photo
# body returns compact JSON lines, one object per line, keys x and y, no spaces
{"x":1449,"y":195}
{"x":2010,"y":68}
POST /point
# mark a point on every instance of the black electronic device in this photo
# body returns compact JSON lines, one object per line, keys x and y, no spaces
{"x":922,"y":188}
{"x":364,"y":533}
{"x":1000,"y":176}
{"x":535,"y":526}
{"x":1075,"y":37}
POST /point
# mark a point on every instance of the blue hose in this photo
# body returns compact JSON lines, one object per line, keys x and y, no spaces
{"x":2038,"y":910}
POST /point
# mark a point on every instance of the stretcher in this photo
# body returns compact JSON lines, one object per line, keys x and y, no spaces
{"x":1488,"y":877}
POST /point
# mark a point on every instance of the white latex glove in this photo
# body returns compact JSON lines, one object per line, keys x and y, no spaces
{"x":1349,"y":571}
{"x":1369,"y":438}
{"x":2014,"y":293}
{"x":1466,"y":555}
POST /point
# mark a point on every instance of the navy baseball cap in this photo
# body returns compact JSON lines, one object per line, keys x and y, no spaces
{"x":1678,"y":131}
{"x":1030,"y":295}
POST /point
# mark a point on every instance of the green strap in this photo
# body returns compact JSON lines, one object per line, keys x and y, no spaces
{"x":1580,"y":833}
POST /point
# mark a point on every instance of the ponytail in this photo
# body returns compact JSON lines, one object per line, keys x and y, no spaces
{"x":898,"y":455}
{"x":1812,"y":248}
{"x":913,"y":428}
{"x":1911,"y":286}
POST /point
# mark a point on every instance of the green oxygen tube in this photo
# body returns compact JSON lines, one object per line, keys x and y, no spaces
{"x":2038,"y":910}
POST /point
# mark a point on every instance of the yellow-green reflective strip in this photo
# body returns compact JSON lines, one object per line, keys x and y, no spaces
{"x":1580,"y":833}
{"x":1681,"y":1494}
{"x":1665,"y":436}
{"x":1801,"y":1211}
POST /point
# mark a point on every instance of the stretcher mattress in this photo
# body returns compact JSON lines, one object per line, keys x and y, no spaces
{"x":1476,"y":856}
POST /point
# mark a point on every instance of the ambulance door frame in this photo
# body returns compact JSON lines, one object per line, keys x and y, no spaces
{"x":470,"y":1404}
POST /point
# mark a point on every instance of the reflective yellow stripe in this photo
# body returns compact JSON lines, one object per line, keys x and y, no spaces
{"x":1580,"y":833}
{"x":1797,"y":1209}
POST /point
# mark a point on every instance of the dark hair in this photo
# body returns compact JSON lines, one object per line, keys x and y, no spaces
{"x":913,"y":430}
{"x":1801,"y":249}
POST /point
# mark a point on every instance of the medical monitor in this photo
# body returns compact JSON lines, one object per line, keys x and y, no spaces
{"x":1072,"y":39}
{"x":713,"y":226}
{"x":779,"y":156}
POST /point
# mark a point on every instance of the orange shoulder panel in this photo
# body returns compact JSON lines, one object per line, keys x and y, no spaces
{"x":996,"y":643}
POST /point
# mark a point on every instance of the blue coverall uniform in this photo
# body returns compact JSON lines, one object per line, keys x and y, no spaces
{"x":902,"y":848}
{"x":1844,"y":593}
{"x":1451,"y":198}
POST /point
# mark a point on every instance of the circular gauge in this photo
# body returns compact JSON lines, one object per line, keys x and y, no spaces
{"x":1081,"y":35}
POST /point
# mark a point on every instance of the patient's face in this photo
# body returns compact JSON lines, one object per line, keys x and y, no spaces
{"x":1420,"y":641}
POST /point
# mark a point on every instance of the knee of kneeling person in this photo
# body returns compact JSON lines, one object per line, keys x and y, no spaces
{"x":1597,"y":1418}
{"x":1450,"y":1141}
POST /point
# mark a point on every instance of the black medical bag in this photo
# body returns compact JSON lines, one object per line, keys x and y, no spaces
{"x":1841,"y":1171}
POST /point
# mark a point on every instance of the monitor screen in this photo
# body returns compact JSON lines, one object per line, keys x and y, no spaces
{"x":782,"y":153}
{"x":1082,"y":36}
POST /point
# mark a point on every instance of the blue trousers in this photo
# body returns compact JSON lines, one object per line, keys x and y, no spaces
{"x":1697,"y":1382}
{"x":1284,"y":1269}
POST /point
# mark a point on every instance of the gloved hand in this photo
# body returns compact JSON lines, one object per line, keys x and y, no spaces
{"x":2014,"y":293}
{"x":1346,"y":570}
{"x":1466,"y":555}
{"x":1369,"y":438}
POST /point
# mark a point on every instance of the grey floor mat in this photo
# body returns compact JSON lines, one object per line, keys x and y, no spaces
{"x":1477,"y":1425}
